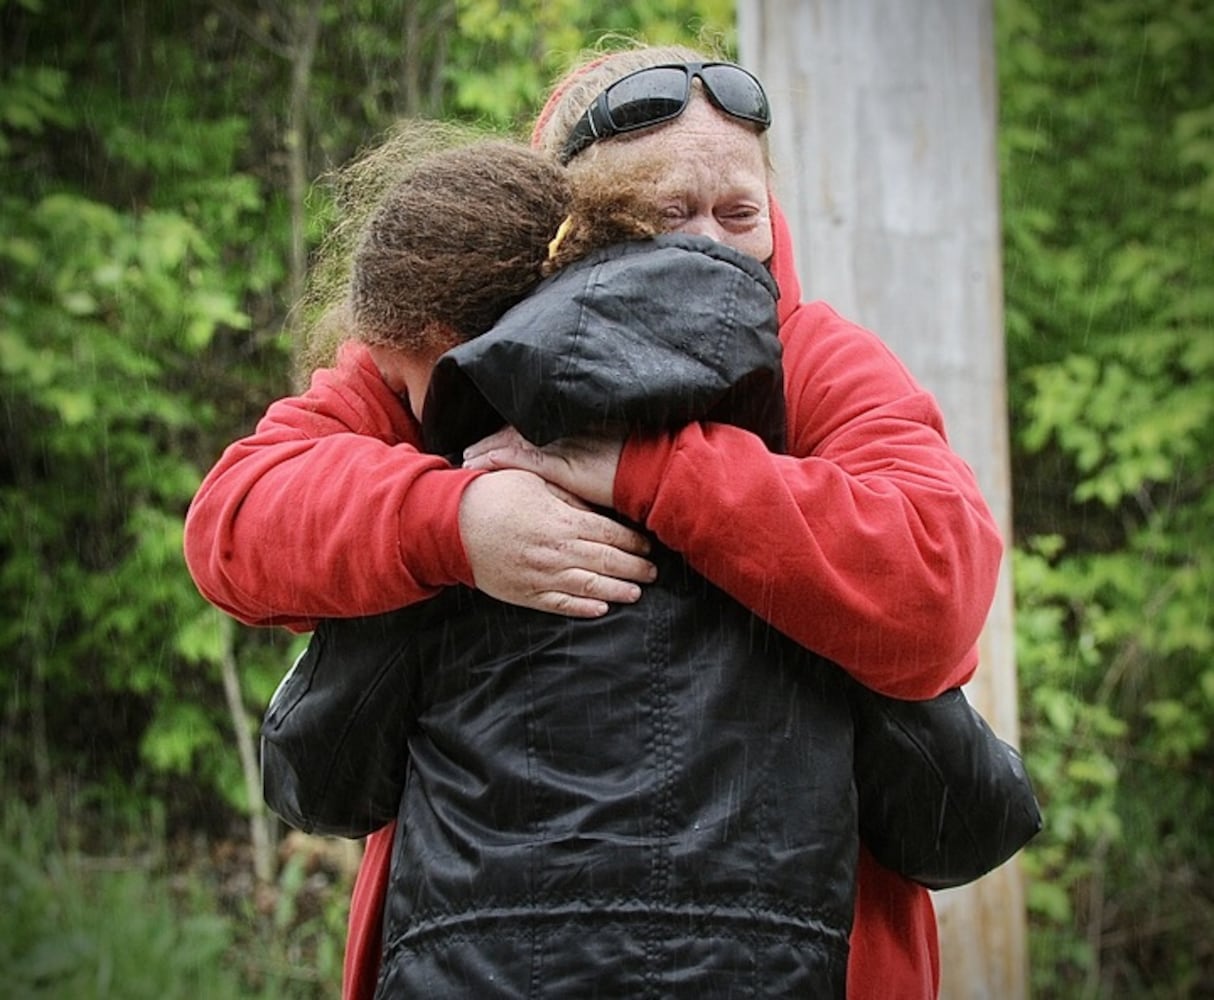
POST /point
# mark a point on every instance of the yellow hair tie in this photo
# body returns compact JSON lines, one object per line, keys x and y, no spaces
{"x":562,"y":231}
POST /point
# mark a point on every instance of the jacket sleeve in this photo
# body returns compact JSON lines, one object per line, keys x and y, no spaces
{"x":869,"y":542}
{"x":294,"y":523}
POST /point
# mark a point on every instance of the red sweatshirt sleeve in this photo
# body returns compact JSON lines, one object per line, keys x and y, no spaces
{"x":328,"y":509}
{"x":869,"y":542}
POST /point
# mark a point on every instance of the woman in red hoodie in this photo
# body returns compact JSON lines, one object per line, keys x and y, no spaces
{"x":868,"y":542}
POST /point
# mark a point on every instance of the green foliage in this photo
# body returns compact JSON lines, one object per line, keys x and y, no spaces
{"x":144,"y":245}
{"x":80,"y":929}
{"x":505,"y":55}
{"x":85,"y":926}
{"x":133,"y":254}
{"x":1108,"y":120}
{"x":145,"y":257}
{"x":31,"y":100}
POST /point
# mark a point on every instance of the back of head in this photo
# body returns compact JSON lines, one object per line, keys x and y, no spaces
{"x":456,"y":242}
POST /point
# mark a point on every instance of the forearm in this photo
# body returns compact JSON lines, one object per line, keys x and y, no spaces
{"x":332,"y":528}
{"x":327,"y":509}
{"x":882,"y":557}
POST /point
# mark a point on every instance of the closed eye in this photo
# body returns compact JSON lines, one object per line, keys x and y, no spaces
{"x":740,"y":218}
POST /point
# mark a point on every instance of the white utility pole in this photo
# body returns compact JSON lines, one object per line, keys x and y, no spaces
{"x":884,"y":147}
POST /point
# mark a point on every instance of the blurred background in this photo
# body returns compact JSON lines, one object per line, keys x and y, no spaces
{"x":159,"y":198}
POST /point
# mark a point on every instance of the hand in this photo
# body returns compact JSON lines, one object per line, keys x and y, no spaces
{"x":583,"y":466}
{"x":535,"y":545}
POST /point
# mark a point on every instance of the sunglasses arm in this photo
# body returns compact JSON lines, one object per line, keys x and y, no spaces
{"x":589,"y":128}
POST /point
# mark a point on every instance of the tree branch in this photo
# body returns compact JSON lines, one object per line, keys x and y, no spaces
{"x":259,"y":822}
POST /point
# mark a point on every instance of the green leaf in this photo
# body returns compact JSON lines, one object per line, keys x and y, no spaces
{"x":73,"y":407}
{"x":179,"y":731}
{"x":204,"y":638}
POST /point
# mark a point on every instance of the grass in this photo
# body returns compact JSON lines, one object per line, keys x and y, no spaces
{"x":82,"y":926}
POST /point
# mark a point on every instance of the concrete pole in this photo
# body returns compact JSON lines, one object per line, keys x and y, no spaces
{"x":884,"y":147}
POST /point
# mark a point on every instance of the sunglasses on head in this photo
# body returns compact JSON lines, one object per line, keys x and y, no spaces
{"x":659,"y":94}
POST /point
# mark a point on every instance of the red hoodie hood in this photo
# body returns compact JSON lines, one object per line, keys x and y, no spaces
{"x":783,"y":265}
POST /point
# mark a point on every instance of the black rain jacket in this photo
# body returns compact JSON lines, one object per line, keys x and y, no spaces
{"x":660,"y":802}
{"x":657,"y":803}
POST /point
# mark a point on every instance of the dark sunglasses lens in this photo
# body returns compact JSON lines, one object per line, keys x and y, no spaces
{"x":737,"y":92}
{"x":648,"y":97}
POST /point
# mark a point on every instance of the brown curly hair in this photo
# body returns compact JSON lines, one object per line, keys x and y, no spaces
{"x":456,"y":243}
{"x":440,"y":231}
{"x":471,"y":231}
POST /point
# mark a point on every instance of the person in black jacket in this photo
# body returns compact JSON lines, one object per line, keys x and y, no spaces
{"x":659,"y":802}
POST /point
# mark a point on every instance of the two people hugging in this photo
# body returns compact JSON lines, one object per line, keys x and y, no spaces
{"x":693,"y":740}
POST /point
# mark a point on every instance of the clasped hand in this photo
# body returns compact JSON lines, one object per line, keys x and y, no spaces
{"x":531,"y":536}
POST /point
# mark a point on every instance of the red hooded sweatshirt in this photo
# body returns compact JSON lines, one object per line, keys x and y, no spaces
{"x":868,"y":542}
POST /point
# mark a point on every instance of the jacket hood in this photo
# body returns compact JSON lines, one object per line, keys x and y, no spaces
{"x":783,"y":263}
{"x":644,"y":335}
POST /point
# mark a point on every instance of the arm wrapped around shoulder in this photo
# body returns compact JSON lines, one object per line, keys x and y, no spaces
{"x":942,"y":799}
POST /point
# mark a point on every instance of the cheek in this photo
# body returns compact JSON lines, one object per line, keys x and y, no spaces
{"x":757,"y":243}
{"x":764,"y":245}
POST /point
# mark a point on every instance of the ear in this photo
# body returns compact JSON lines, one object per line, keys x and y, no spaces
{"x":393,"y":364}
{"x":407,"y":372}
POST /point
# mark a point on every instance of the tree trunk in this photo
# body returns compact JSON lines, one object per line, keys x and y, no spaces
{"x":885,"y":158}
{"x":302,"y":49}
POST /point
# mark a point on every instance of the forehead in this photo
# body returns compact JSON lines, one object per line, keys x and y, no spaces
{"x":701,"y":146}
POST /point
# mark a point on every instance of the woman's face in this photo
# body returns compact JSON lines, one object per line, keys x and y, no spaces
{"x":717,"y":182}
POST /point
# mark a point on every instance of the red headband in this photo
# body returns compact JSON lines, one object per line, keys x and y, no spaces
{"x":555,"y":97}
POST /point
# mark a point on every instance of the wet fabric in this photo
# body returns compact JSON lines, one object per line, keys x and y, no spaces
{"x":536,"y":341}
{"x":639,"y":336}
{"x":655,"y":803}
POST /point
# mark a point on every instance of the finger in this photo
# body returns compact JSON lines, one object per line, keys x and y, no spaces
{"x":599,"y":586}
{"x":601,"y":530}
{"x":572,"y":499}
{"x":624,"y":567}
{"x":507,"y":437}
{"x":505,"y":457}
{"x":583,"y":594}
{"x":570,"y":605}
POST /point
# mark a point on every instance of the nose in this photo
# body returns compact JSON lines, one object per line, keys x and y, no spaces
{"x":705,"y":225}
